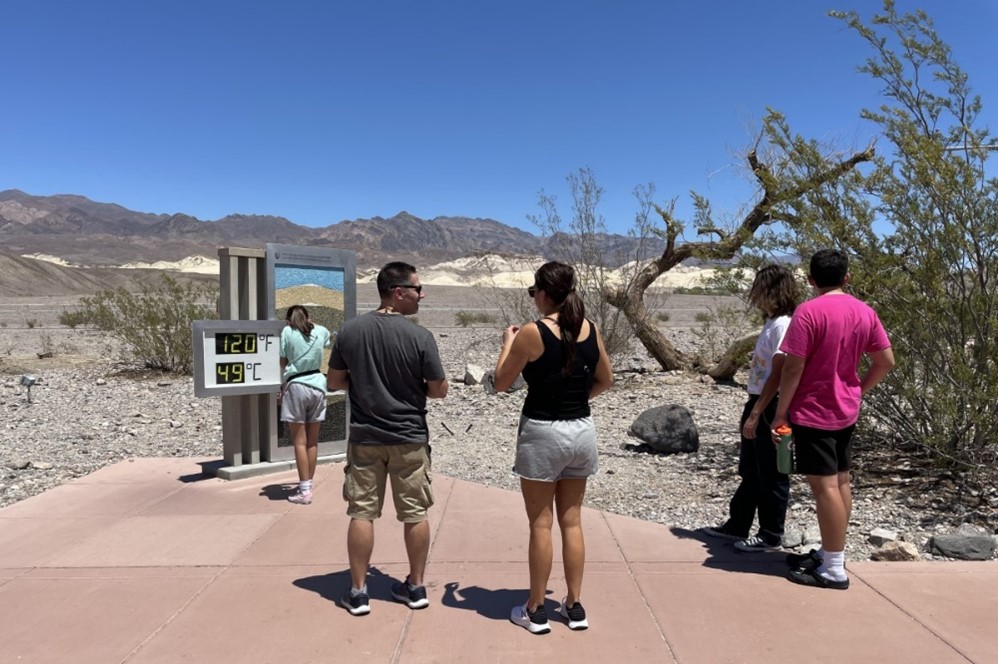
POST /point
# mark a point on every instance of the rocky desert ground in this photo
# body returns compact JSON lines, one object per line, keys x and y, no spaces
{"x":88,"y":410}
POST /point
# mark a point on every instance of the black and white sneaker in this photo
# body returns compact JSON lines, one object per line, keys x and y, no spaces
{"x":535,"y":623}
{"x":756,"y":543}
{"x":357,"y":605}
{"x":575,"y":615}
{"x":412,"y":596}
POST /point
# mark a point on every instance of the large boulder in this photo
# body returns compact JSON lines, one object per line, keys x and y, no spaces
{"x":967,"y":543}
{"x":667,"y":430}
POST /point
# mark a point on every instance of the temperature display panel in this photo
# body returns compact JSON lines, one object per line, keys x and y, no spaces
{"x":235,"y":357}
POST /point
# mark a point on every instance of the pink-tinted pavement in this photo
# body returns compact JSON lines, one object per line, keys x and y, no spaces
{"x":151,"y":561}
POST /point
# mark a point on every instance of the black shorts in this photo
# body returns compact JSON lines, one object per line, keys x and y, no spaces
{"x":822,"y":452}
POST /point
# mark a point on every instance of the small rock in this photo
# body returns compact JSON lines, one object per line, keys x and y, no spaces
{"x":473,"y":374}
{"x":42,"y":465}
{"x":896,"y":551}
{"x":881,"y":536}
{"x":20,"y":464}
{"x":101,"y":381}
{"x":793,"y":539}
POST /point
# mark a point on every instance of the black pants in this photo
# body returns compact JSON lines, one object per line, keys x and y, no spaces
{"x":763,"y":489}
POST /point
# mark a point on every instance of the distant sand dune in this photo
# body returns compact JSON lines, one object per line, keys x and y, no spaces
{"x":309,"y":295}
{"x":488,"y":271}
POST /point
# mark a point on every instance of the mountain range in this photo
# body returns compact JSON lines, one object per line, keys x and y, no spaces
{"x":106,"y":235}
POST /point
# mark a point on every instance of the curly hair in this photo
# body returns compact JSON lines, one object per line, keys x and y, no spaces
{"x":774,"y":291}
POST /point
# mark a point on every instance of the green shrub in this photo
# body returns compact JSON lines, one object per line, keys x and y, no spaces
{"x":663,"y":316}
{"x":703,"y":317}
{"x":155,"y":323}
{"x":71,"y":319}
{"x":466,"y":318}
{"x":31,"y":323}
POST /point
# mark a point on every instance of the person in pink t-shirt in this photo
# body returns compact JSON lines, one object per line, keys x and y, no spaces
{"x":820,"y":393}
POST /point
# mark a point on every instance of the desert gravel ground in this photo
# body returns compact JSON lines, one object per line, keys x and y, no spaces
{"x":85,"y":413}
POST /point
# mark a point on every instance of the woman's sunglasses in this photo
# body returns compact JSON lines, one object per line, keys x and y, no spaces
{"x":418,"y":289}
{"x":531,"y":290}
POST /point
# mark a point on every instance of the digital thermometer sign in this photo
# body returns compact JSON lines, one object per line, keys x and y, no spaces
{"x":237,"y":357}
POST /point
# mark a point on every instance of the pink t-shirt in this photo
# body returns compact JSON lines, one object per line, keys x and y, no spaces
{"x":831,"y":332}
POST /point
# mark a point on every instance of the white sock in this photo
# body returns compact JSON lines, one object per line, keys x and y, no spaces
{"x":833,"y":566}
{"x":305,"y":486}
{"x":354,"y":592}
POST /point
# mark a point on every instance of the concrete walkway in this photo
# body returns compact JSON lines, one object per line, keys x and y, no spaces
{"x":150,"y":561}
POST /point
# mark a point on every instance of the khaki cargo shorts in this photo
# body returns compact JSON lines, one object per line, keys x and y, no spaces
{"x":369,"y":466}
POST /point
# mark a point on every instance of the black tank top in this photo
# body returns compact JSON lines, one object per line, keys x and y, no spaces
{"x":552,"y":396}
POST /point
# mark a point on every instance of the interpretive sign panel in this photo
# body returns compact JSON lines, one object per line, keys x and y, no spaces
{"x":325,"y":282}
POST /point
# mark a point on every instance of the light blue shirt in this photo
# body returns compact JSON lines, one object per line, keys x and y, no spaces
{"x":305,"y":354}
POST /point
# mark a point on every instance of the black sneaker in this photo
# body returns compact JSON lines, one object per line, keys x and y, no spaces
{"x":535,"y":623}
{"x":412,"y":596}
{"x":722,"y":532}
{"x":357,"y":605}
{"x":575,"y":615}
{"x":802,"y":561}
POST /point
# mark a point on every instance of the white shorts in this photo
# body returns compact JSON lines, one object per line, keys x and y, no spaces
{"x":303,"y":404}
{"x":552,"y":450}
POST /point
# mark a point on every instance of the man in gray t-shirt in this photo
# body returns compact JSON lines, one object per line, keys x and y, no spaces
{"x":389,"y":366}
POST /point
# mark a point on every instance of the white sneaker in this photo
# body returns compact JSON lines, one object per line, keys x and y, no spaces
{"x":301,"y":498}
{"x":575,"y":614}
{"x":535,"y":623}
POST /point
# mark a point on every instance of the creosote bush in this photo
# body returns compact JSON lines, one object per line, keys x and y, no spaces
{"x":466,"y":318}
{"x":154,"y":324}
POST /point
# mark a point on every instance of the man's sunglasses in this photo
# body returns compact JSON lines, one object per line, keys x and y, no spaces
{"x":531,"y":290}
{"x":418,"y":289}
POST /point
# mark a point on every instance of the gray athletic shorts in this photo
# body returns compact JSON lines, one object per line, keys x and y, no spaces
{"x":303,"y":404}
{"x":552,"y":450}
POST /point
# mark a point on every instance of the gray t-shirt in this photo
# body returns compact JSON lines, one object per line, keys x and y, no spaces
{"x":390,"y":359}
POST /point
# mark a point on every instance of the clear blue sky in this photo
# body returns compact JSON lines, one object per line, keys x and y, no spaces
{"x":325,"y":110}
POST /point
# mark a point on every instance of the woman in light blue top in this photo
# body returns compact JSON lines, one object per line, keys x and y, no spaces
{"x":303,"y":393}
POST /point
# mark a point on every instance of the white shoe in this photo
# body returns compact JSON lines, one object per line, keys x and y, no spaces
{"x":575,"y":614}
{"x":535,"y":623}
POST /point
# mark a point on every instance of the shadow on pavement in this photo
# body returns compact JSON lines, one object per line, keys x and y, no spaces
{"x":722,"y":555}
{"x":493,"y":604}
{"x":331,"y":586}
{"x":278,"y":491}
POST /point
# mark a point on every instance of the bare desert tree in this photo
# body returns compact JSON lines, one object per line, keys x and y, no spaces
{"x":602,"y":262}
{"x":797,"y":172}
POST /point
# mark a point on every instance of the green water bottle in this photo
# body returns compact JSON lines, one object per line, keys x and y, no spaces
{"x":785,"y":450}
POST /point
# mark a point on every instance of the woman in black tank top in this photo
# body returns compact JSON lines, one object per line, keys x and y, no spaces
{"x":564,"y":362}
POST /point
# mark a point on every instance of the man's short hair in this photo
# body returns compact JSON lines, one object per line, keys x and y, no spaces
{"x":394,"y":274}
{"x":829,"y":268}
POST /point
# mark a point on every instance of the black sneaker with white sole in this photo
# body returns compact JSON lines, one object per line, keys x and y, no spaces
{"x":575,"y":615}
{"x":357,"y":605}
{"x":535,"y":622}
{"x":412,"y":596}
